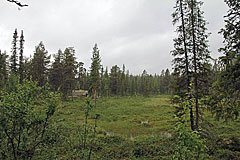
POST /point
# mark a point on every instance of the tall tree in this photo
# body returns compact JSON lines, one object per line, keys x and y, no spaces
{"x":69,"y":71}
{"x":114,"y":81}
{"x":231,"y":33}
{"x":123,"y":81}
{"x":145,"y":83}
{"x":3,"y":69}
{"x":81,"y":73}
{"x":95,"y":72}
{"x":56,"y":71}
{"x":40,"y":64}
{"x":106,"y":81}
{"x":193,"y":43}
{"x":166,"y":81}
{"x":180,"y":52}
{"x":200,"y":52}
{"x":225,"y":98}
{"x":21,"y":63}
{"x":14,"y":56}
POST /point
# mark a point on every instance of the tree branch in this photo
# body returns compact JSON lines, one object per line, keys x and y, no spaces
{"x":18,"y":3}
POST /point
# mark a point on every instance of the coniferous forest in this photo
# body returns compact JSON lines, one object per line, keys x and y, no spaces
{"x":188,"y":112}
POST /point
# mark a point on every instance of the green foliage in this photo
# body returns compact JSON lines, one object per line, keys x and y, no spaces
{"x":56,"y":71}
{"x":25,"y":127}
{"x":95,"y":69}
{"x":21,"y":66}
{"x":3,"y":69}
{"x":224,"y":100}
{"x":113,"y":147}
{"x":39,"y":64}
{"x":69,"y":72}
{"x":115,"y":80}
{"x":14,"y":56}
{"x":189,"y":144}
{"x":191,"y":54}
{"x":85,"y":135}
{"x":231,"y":32}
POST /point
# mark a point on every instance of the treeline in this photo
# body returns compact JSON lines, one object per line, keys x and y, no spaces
{"x":65,"y":73}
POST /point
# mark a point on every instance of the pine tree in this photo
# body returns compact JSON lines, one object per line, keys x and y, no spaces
{"x":69,"y":71}
{"x":21,"y":57}
{"x":95,"y":72}
{"x":14,"y":56}
{"x":56,"y":72}
{"x":40,"y":64}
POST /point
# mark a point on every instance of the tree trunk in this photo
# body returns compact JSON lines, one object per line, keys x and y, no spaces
{"x":187,"y":65}
{"x":195,"y":67}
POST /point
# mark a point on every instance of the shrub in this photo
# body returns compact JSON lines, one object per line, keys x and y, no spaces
{"x":25,"y":112}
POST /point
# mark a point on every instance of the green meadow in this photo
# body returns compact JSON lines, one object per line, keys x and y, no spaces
{"x":138,"y":127}
{"x":135,"y":116}
{"x":122,"y":116}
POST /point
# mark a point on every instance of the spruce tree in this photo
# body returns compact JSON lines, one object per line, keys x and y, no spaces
{"x":145,"y":83}
{"x":40,"y":64}
{"x":231,"y":33}
{"x":21,"y":63}
{"x":191,"y":51}
{"x":81,"y":72}
{"x":224,"y":101}
{"x":123,"y":81}
{"x":166,"y":81}
{"x":114,"y":82}
{"x":95,"y":72}
{"x":69,"y":71}
{"x":180,"y":52}
{"x":56,"y":72}
{"x":200,"y":52}
{"x":3,"y":69}
{"x":127,"y":85}
{"x":14,"y":56}
{"x":105,"y":80}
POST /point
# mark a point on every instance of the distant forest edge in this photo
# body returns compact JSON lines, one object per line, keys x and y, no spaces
{"x":65,"y":74}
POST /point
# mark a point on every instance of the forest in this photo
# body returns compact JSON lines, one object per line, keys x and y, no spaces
{"x":189,"y":112}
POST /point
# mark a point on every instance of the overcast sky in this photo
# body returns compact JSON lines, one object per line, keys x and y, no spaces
{"x":137,"y":33}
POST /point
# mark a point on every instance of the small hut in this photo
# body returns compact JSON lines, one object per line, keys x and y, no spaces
{"x":77,"y":93}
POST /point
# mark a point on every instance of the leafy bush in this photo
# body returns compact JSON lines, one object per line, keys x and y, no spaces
{"x":25,"y":113}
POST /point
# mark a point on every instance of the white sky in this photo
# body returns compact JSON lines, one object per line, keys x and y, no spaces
{"x":137,"y":33}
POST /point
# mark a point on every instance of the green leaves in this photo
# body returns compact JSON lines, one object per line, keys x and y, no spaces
{"x":25,"y":111}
